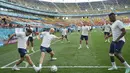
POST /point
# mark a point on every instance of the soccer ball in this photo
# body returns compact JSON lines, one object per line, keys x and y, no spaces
{"x":54,"y":68}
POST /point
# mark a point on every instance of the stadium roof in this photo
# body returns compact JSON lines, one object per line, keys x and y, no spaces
{"x":71,"y":1}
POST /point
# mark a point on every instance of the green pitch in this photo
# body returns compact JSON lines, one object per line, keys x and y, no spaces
{"x":70,"y":59}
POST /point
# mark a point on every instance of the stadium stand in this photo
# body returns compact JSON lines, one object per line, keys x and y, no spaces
{"x":66,"y":8}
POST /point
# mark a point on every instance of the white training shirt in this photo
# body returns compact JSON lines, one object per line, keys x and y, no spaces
{"x":107,"y":28}
{"x":22,"y":40}
{"x":116,"y":30}
{"x":64,"y":31}
{"x":31,"y":33}
{"x":85,"y":30}
{"x":47,"y":38}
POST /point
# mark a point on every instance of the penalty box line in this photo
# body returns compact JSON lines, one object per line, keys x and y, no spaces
{"x":89,"y":67}
{"x":5,"y":66}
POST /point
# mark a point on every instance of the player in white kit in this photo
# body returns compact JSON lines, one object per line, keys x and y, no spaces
{"x":22,"y":45}
{"x":45,"y":45}
{"x":30,"y":40}
{"x":118,"y":33}
{"x":84,"y":35}
{"x":64,"y":34}
{"x":107,"y":30}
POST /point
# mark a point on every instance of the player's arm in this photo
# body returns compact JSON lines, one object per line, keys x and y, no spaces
{"x":121,"y":27}
{"x":58,"y":38}
{"x":10,"y":38}
{"x":38,"y":36}
{"x":122,"y":34}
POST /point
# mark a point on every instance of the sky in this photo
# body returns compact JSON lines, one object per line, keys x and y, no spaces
{"x":71,"y":1}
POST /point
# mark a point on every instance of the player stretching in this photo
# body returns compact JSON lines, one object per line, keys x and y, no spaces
{"x":106,"y":29}
{"x":45,"y":46}
{"x":118,"y":32}
{"x":84,"y":35}
{"x":22,"y":42}
{"x":64,"y":34}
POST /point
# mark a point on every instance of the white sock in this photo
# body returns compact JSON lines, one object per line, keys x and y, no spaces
{"x":126,"y":64}
{"x":34,"y":66}
{"x":40,"y":65}
{"x":113,"y":64}
{"x":15,"y":65}
{"x":80,"y":45}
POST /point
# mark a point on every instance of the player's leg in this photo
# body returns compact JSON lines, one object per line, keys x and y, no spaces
{"x":108,"y":37}
{"x":111,"y":54}
{"x":41,"y":59}
{"x":80,"y":45}
{"x":86,"y":39}
{"x":52,"y":56}
{"x":51,"y":52}
{"x":29,"y":60}
{"x":122,"y":60}
{"x":22,"y":53}
{"x":67,"y":38}
{"x":31,"y":41}
{"x":43,"y":50}
{"x":62,"y":38}
{"x":105,"y":36}
{"x":119,"y":55}
{"x":28,"y":43}
{"x":15,"y":67}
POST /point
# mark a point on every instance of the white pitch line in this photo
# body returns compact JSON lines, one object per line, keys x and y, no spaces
{"x":29,"y":54}
{"x":89,"y":67}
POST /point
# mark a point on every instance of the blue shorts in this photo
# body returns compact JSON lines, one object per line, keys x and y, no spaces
{"x":64,"y":36}
{"x":44,"y":49}
{"x":30,"y":39}
{"x":84,"y":37}
{"x":106,"y":33}
{"x":22,"y":52}
{"x":116,"y":47}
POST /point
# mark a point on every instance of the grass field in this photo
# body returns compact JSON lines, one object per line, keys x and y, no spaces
{"x":70,"y":59}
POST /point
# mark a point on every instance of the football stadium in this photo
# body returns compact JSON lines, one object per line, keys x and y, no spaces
{"x":64,"y":36}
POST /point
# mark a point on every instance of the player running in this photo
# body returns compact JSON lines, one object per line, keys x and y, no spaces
{"x":22,"y":42}
{"x":118,"y":33}
{"x":30,"y":41}
{"x":45,"y":45}
{"x":64,"y":34}
{"x":106,"y":29}
{"x":85,"y":30}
